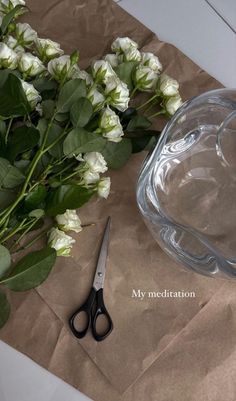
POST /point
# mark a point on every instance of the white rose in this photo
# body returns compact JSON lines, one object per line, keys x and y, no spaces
{"x":25,"y":34}
{"x":96,"y":98}
{"x":31,"y":94}
{"x":117,"y":93}
{"x":102,"y":70}
{"x":7,"y":5}
{"x":62,"y":67}
{"x":90,"y":177}
{"x":69,"y":221}
{"x":132,"y":54}
{"x":173,"y":104}
{"x":95,"y":162}
{"x":110,"y":125}
{"x":112,"y":59}
{"x":121,"y":45}
{"x":103,"y":187}
{"x":47,"y":49}
{"x":85,"y":76}
{"x":30,"y":65}
{"x":8,"y":58}
{"x":13,"y":44}
{"x":151,"y":61}
{"x":60,"y":241}
{"x":168,"y":86}
{"x":145,"y":78}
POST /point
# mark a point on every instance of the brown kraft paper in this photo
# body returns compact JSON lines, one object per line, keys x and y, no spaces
{"x":170,"y":349}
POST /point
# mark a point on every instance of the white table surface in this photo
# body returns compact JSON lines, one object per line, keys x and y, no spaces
{"x":207,"y":38}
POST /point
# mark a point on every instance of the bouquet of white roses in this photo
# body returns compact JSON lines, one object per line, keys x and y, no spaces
{"x":61,"y":128}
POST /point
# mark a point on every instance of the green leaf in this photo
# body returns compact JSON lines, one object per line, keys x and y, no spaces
{"x":67,"y":197}
{"x":10,"y":176}
{"x":22,"y":165}
{"x":48,"y":108}
{"x":10,"y":17}
{"x":47,"y":88}
{"x":4,"y":74}
{"x":128,"y":114}
{"x":22,"y":139}
{"x":3,"y":128}
{"x":5,"y":260}
{"x":35,"y":198}
{"x":138,"y":122}
{"x":81,"y":141}
{"x":37,"y":213}
{"x":70,"y":93}
{"x":81,"y":112}
{"x":125,"y":72}
{"x":54,"y":132}
{"x":117,"y":154}
{"x":31,"y":270}
{"x":152,"y":143}
{"x":6,"y":198}
{"x":143,"y":139}
{"x":13,"y":102}
{"x":4,"y":309}
{"x":42,"y":165}
{"x":62,"y":117}
{"x":139,"y":144}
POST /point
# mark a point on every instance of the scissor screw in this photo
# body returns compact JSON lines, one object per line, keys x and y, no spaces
{"x":99,"y":274}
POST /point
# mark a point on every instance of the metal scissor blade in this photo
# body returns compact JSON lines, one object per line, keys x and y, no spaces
{"x":101,"y":264}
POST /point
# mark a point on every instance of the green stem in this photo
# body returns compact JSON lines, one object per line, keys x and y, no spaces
{"x":147,"y":102}
{"x":8,"y":130}
{"x":15,"y":231}
{"x":63,"y":170}
{"x":25,"y":232}
{"x":70,"y":176}
{"x":33,"y":165}
{"x":30,"y":243}
{"x":133,"y":92}
{"x":157,"y":114}
{"x":57,"y":139}
{"x":150,"y":107}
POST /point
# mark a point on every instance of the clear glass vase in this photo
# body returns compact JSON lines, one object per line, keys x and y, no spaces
{"x":187,"y":186}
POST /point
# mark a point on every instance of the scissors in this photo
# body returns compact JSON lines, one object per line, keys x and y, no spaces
{"x":94,"y":306}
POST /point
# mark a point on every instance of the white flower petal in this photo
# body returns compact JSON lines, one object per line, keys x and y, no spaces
{"x":69,"y":221}
{"x":102,"y":70}
{"x":151,"y":61}
{"x":30,"y":65}
{"x":123,"y":44}
{"x":168,"y":86}
{"x":90,"y":177}
{"x":8,"y":58}
{"x":173,"y":104}
{"x":31,"y":93}
{"x":113,"y":59}
{"x":25,"y":34}
{"x":47,"y":49}
{"x":60,"y":241}
{"x":103,"y":187}
{"x":145,"y":78}
{"x":110,"y":125}
{"x":95,"y":162}
{"x":117,"y":93}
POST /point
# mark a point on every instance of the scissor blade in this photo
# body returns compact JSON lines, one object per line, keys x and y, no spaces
{"x":102,"y":258}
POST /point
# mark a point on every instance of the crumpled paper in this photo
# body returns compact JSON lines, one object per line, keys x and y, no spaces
{"x":161,"y":349}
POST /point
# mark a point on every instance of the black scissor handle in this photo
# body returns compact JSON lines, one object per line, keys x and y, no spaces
{"x":85,"y":308}
{"x":101,"y":310}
